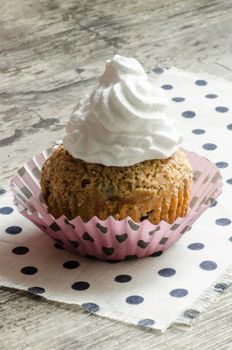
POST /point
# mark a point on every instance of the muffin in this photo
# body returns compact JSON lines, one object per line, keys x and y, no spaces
{"x":121,"y":154}
{"x":153,"y":189}
{"x":119,"y":185}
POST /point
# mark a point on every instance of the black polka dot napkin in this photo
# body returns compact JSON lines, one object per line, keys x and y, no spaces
{"x":165,"y":288}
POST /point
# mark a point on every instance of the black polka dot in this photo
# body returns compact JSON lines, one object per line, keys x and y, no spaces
{"x":123,"y":278}
{"x":75,"y":244}
{"x":90,"y":307}
{"x":69,"y":223}
{"x":81,"y":285}
{"x":188,"y":114}
{"x":229,"y":181}
{"x":6,"y":210}
{"x":209,"y":146}
{"x":142,"y":244}
{"x":196,"y":246}
{"x":221,"y":287}
{"x":147,"y":322}
{"x":71,"y":264}
{"x":167,"y":87}
{"x":198,"y":131}
{"x":101,"y":228}
{"x":211,"y":96}
{"x":133,"y":226}
{"x":2,"y":191}
{"x":20,"y":250}
{"x":156,"y":254}
{"x":178,"y":99}
{"x":208,"y":265}
{"x":222,"y":165}
{"x":213,"y":204}
{"x":191,"y":313}
{"x":158,"y":70}
{"x":167,"y":272}
{"x":58,"y":246}
{"x":229,"y":126}
{"x":86,"y":237}
{"x":29,"y":270}
{"x":179,"y":293}
{"x":223,"y":222}
{"x":134,"y":299}
{"x":108,"y":250}
{"x":130,"y":257}
{"x":201,"y":82}
{"x":222,"y":109}
{"x":54,"y":227}
{"x":13,"y":230}
{"x":36,"y":290}
{"x":122,"y":237}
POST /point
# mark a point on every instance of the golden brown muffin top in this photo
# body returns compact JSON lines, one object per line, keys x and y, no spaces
{"x":147,"y":175}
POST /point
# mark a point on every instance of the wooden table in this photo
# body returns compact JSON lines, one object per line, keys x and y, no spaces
{"x":52,"y":52}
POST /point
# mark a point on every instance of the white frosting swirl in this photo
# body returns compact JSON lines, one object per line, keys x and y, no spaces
{"x":123,"y":122}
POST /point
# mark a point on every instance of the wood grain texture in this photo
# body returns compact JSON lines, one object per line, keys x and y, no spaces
{"x":51,"y":53}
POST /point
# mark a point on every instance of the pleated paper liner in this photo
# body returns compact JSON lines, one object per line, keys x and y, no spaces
{"x":113,"y":239}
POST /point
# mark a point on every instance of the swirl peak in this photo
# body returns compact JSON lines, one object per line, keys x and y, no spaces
{"x":123,"y":121}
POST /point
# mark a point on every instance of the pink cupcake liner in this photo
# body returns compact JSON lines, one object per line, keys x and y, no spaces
{"x":113,"y":239}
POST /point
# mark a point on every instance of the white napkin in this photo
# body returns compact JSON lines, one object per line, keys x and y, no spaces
{"x":152,"y":292}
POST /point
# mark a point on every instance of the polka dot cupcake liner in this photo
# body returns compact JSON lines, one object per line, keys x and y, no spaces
{"x":113,"y":239}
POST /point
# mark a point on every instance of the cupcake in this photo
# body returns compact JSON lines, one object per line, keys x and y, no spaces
{"x":154,"y":189}
{"x":121,"y":154}
{"x":119,"y":186}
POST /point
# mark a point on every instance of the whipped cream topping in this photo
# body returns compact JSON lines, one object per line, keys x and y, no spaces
{"x":123,"y":121}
